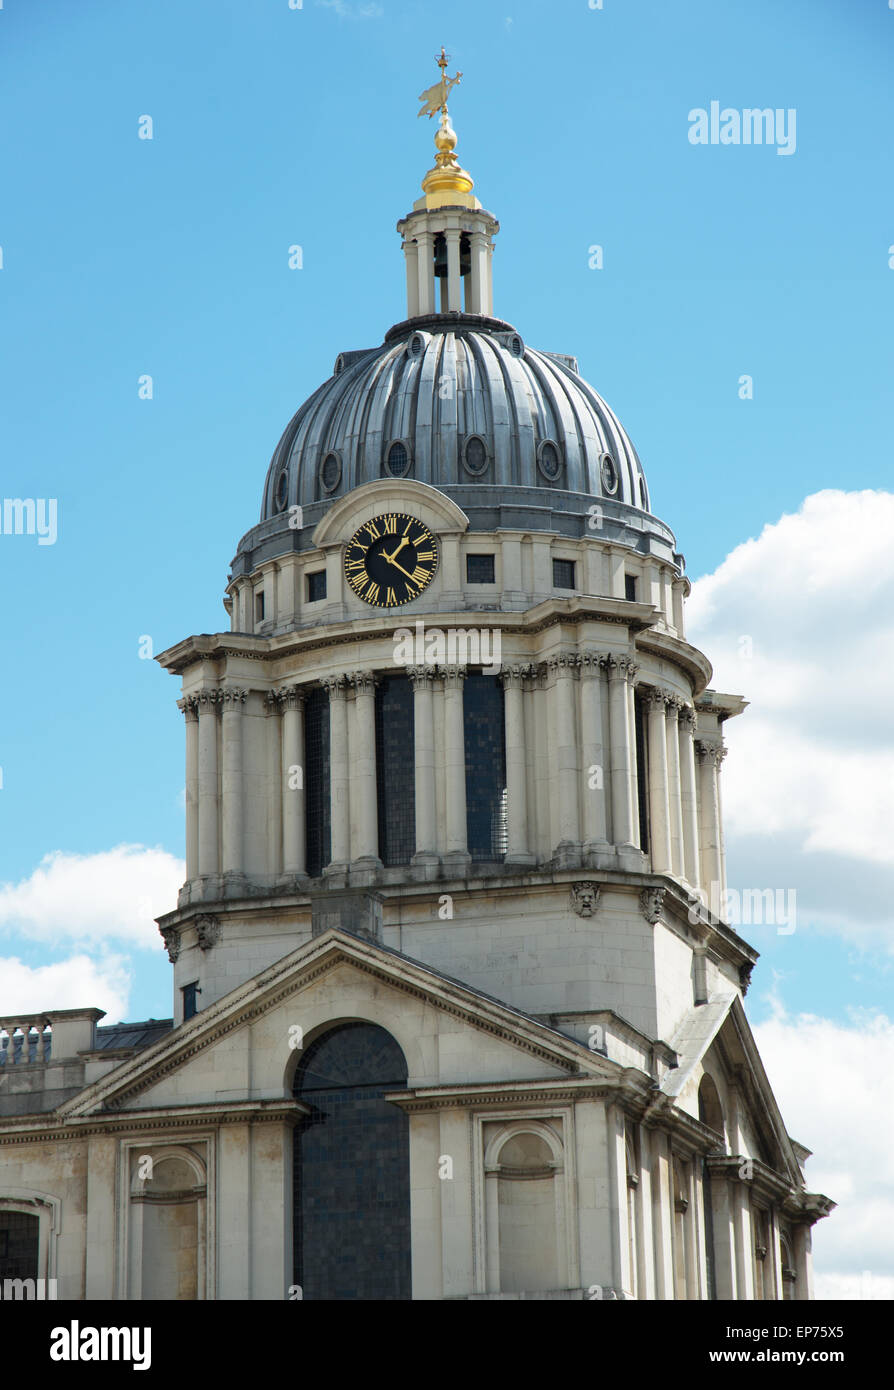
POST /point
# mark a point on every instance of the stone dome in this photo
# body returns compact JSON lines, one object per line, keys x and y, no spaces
{"x":457,"y":401}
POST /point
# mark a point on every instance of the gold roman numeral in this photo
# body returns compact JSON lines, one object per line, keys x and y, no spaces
{"x":372,"y":593}
{"x":420,"y":576}
{"x":390,"y":598}
{"x":391,"y":526}
{"x":425,"y":554}
{"x":372,"y":529}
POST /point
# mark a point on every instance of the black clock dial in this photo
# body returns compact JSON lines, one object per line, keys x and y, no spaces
{"x":391,"y":559}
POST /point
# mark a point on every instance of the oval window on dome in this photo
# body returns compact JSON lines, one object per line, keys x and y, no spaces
{"x":475,"y":455}
{"x":416,"y":345}
{"x":516,"y":346}
{"x":281,"y":495}
{"x":330,"y":472}
{"x":397,"y":459}
{"x":609,"y":474}
{"x":549,"y":459}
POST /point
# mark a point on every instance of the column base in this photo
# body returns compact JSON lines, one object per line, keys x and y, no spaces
{"x":631,"y":858}
{"x":336,"y":874}
{"x":456,"y":862}
{"x":567,"y":855}
{"x":522,"y":859}
{"x":292,"y":881}
{"x":425,"y":866}
{"x":234,"y":884}
{"x":365,"y":871}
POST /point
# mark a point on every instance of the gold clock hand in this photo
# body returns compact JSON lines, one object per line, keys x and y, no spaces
{"x":391,"y":560}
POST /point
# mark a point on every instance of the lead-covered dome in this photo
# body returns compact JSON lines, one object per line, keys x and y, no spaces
{"x":454,"y":400}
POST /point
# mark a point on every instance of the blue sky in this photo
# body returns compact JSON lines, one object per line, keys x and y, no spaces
{"x":275,"y":126}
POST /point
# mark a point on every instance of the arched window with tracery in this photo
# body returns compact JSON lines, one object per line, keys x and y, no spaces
{"x":352,"y":1168}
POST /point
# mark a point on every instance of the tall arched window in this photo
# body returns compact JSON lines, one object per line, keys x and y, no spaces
{"x":19,"y":1245}
{"x":352,"y":1168}
{"x":316,"y":771}
{"x":396,"y":779}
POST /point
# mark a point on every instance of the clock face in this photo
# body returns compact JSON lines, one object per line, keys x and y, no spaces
{"x":391,"y":559}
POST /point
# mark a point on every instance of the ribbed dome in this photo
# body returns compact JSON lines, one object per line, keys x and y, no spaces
{"x":454,"y":400}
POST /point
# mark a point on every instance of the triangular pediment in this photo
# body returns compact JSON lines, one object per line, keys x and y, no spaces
{"x":450,"y":1033}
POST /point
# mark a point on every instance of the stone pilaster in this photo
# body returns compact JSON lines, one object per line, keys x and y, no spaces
{"x":207,"y":702}
{"x":565,"y":771}
{"x":594,"y":770}
{"x":659,"y":817}
{"x":620,"y":671}
{"x":362,"y":776}
{"x":456,"y":854}
{"x":674,"y":797}
{"x":710,"y":755}
{"x":191,"y":716}
{"x":338,"y":778}
{"x":426,"y":858}
{"x":232,"y":790}
{"x":294,"y":840}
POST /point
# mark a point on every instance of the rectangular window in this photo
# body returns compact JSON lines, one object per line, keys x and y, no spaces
{"x":396,"y":770}
{"x":563,"y":574}
{"x":485,"y":766}
{"x":318,"y":837}
{"x":316,"y":586}
{"x":480,"y":569}
{"x":630,"y":587}
{"x":642,"y":773}
{"x":190,"y":1000}
{"x":259,"y":607}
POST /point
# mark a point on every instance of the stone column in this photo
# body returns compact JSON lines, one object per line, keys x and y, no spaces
{"x":489,"y":281}
{"x":426,"y":857}
{"x":620,"y":671}
{"x":635,"y":832}
{"x":659,"y":836}
{"x":292,"y":773}
{"x":457,"y":853}
{"x":190,"y":714}
{"x":411,"y":252}
{"x":478,"y":274}
{"x":232,"y":791}
{"x":338,"y":778}
{"x":594,"y":771}
{"x":362,"y":773}
{"x":709,"y":758}
{"x":426,"y":266}
{"x":209,"y":850}
{"x":688,"y":795}
{"x":674,"y":794}
{"x":518,"y":848}
{"x":565,"y":776}
{"x":454,"y":280}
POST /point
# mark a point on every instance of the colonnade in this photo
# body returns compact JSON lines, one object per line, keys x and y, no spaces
{"x":575,"y":779}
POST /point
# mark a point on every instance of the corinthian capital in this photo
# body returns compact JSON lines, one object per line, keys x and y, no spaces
{"x":513,"y":677}
{"x":707,"y":750}
{"x":231,"y":699}
{"x":289,"y":697}
{"x":620,"y":667}
{"x":687,"y":718}
{"x":364,"y":682}
{"x":592,"y":664}
{"x":422,"y":676}
{"x":187,"y":707}
{"x":334,"y":686}
{"x":453,"y":676}
{"x":207,"y":701}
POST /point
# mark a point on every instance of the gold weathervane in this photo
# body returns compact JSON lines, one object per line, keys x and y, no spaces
{"x":447,"y":184}
{"x":434,"y":99}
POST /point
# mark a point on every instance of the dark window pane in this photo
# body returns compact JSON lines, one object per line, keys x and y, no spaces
{"x":316,"y":586}
{"x":316,"y":776}
{"x":396,"y":770}
{"x":397,"y":459}
{"x":18,"y":1245}
{"x":190,"y":1000}
{"x":630,"y":587}
{"x":563,"y":574}
{"x":479,"y":569}
{"x":485,"y":767}
{"x":642,"y":785}
{"x":352,"y":1169}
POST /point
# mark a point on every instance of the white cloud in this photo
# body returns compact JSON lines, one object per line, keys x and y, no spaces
{"x":111,"y":895}
{"x":799,"y":621}
{"x":347,"y":11}
{"x":76,"y":983}
{"x":832,"y":1084}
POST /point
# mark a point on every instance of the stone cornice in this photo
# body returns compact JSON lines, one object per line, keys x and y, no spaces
{"x":30,"y":1129}
{"x":515,"y":1093}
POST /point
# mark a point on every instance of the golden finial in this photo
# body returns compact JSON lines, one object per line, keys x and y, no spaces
{"x":447,"y":180}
